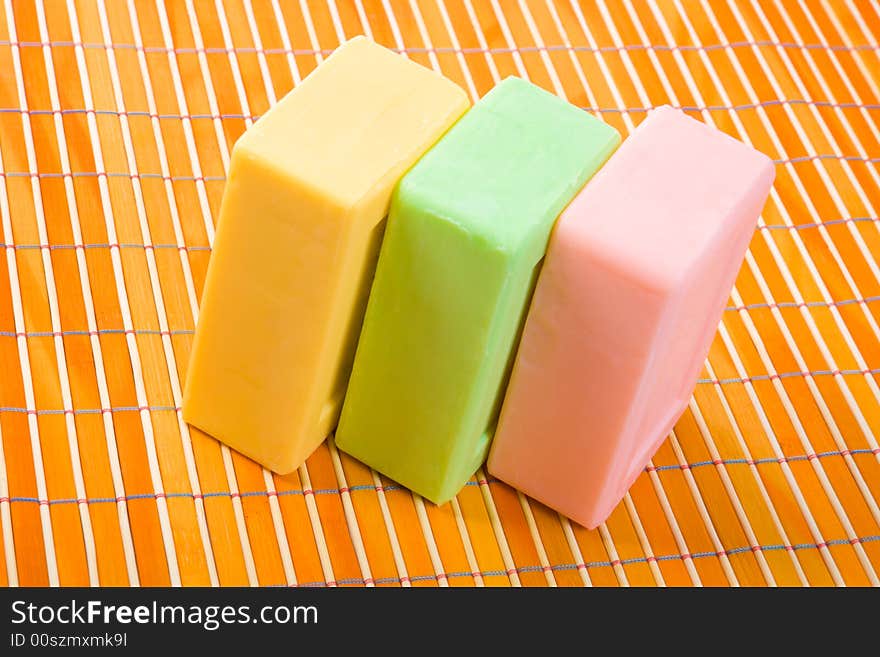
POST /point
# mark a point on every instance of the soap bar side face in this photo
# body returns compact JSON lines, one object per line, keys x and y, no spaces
{"x":577,"y":369}
{"x":681,"y":340}
{"x":468,"y":226}
{"x":688,"y":326}
{"x":697,"y":195}
{"x":297,"y":240}
{"x":238,"y":384}
{"x":421,"y":312}
{"x":637,"y":274}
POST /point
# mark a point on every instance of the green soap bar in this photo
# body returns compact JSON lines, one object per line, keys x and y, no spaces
{"x":466,"y":232}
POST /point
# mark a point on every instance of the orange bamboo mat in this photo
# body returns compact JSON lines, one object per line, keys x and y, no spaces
{"x":116,"y":122}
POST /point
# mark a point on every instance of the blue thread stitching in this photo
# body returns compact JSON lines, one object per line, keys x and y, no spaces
{"x":394,"y":487}
{"x":465,"y":51}
{"x":599,"y":564}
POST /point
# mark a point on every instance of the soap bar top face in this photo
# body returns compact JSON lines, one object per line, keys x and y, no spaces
{"x":298,"y":236}
{"x":642,"y":193}
{"x":356,"y":121}
{"x":637,"y":273}
{"x":510,"y":165}
{"x":467,"y":227}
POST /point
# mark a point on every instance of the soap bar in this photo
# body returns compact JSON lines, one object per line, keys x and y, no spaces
{"x":636,"y":277}
{"x":467,"y":230}
{"x":300,"y":227}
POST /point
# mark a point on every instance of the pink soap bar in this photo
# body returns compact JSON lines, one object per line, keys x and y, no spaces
{"x":634,"y":283}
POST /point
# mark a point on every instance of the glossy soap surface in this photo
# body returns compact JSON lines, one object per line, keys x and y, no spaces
{"x":297,"y":239}
{"x":636,"y":277}
{"x":467,"y":228}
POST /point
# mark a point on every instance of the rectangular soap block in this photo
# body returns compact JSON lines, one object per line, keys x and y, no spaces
{"x":636,"y":277}
{"x":466,"y":232}
{"x":299,"y":232}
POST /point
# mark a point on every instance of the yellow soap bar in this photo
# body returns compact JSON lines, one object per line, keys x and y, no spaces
{"x":297,"y":240}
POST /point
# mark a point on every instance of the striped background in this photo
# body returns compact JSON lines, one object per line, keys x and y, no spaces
{"x":116,"y":121}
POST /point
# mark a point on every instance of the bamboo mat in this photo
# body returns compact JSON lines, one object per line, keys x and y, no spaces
{"x":116,"y":122}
